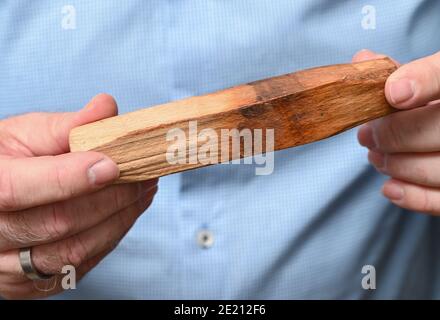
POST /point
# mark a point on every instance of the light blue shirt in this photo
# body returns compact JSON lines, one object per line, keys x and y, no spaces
{"x":304,"y":231}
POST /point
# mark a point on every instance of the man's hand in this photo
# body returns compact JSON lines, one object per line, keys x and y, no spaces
{"x":406,"y":145}
{"x":61,"y":204}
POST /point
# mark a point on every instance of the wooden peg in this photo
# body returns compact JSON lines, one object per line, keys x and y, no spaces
{"x":300,"y":107}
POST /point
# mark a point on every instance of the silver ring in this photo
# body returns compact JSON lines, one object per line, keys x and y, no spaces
{"x":25,"y":256}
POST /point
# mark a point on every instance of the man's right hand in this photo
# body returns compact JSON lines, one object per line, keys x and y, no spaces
{"x":60,"y":204}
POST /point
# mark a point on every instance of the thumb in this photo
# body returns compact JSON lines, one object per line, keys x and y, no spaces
{"x":34,"y":181}
{"x":415,"y":84}
{"x":39,"y":134}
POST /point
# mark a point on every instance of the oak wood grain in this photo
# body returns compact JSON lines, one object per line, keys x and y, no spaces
{"x":301,"y":107}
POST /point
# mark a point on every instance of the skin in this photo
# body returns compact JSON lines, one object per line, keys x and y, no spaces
{"x":61,"y":204}
{"x":406,"y":145}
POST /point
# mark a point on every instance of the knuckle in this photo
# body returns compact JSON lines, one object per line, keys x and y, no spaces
{"x":116,"y":197}
{"x":15,"y":231}
{"x":22,"y":228}
{"x":47,"y":264}
{"x":391,"y":137}
{"x":123,"y":195}
{"x":59,"y":175}
{"x":58,"y":126}
{"x":99,"y":209}
{"x":124,"y":220}
{"x":73,"y":252}
{"x":428,"y":203}
{"x":7,"y":233}
{"x":7,"y":192}
{"x":57,"y":224}
{"x":51,"y":260}
{"x":433,"y":72}
{"x":423,"y":177}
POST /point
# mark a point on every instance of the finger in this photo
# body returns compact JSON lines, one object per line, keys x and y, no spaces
{"x":11,"y":273}
{"x":10,"y":269}
{"x":50,"y":258}
{"x":37,"y":289}
{"x":60,"y":220}
{"x":415,"y":84}
{"x":420,"y":168}
{"x":38,"y":134}
{"x":413,"y":197}
{"x":365,"y":55}
{"x":414,"y":130}
{"x":23,"y":288}
{"x":29,"y":182}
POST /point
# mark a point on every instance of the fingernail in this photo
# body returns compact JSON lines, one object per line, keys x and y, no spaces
{"x":392,"y":190}
{"x":91,"y":103}
{"x":366,"y":136}
{"x":103,"y":172}
{"x":376,"y":159}
{"x":89,"y":106}
{"x":401,"y":90}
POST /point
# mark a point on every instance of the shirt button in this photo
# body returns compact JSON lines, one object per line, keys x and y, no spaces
{"x":205,"y":239}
